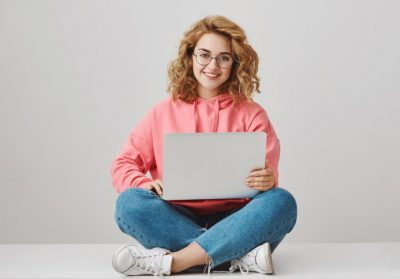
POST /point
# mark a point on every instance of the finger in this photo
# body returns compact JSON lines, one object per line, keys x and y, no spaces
{"x":259,"y":172}
{"x":266,"y":163}
{"x":264,"y":186}
{"x":257,"y":178}
{"x":159,"y":182}
{"x":266,"y":172}
{"x":260,"y":183}
{"x":151,"y":187}
{"x":158,"y":189}
{"x":261,"y":179}
{"x":148,"y":186}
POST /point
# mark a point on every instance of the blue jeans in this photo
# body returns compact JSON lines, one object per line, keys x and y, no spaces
{"x":153,"y":222}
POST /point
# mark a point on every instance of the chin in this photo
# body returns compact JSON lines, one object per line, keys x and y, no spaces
{"x":211,"y":86}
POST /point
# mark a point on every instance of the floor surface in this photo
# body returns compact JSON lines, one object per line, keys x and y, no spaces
{"x":291,"y":260}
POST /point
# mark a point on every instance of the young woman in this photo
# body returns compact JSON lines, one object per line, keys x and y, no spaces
{"x":212,"y":82}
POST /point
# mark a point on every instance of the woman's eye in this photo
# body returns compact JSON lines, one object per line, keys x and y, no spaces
{"x":204,"y":55}
{"x":225,"y":58}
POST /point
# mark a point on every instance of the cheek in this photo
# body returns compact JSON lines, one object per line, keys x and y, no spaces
{"x":196,"y":67}
{"x":196,"y":72}
{"x":227,"y":73}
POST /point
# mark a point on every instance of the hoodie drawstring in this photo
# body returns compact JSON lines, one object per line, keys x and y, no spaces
{"x":215,"y":118}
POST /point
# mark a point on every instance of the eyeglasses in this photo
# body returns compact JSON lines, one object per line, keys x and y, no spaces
{"x":224,"y":61}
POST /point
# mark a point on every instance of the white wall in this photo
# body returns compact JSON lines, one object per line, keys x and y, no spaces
{"x":75,"y":77}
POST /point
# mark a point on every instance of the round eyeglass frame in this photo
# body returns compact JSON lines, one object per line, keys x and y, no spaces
{"x":216,"y":60}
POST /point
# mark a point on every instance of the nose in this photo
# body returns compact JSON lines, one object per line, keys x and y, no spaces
{"x":213,"y":63}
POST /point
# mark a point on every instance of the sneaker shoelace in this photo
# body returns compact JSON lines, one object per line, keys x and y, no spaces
{"x":148,"y":262}
{"x":244,"y":268}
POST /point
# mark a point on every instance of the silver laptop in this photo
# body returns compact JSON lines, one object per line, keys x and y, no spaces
{"x":211,"y":165}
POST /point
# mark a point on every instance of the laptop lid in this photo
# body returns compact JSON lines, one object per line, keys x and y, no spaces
{"x":211,"y":165}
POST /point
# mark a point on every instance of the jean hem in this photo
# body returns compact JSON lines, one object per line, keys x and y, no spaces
{"x":211,"y":261}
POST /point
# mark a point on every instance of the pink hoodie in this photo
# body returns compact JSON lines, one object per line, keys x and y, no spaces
{"x":144,"y":149}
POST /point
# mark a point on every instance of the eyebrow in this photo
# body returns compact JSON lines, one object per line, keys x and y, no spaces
{"x":203,"y":49}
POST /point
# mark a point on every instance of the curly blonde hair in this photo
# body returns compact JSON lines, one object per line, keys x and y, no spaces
{"x":243,"y":80}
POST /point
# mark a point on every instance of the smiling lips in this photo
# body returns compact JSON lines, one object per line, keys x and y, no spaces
{"x":210,"y":75}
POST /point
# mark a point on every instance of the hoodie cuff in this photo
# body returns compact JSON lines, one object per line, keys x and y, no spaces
{"x":276,"y":185}
{"x":142,"y":182}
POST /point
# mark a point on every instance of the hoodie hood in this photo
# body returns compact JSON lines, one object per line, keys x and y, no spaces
{"x":219,"y":102}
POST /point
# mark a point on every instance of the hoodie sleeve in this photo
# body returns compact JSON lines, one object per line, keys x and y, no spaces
{"x":130,"y":167}
{"x":261,"y":123}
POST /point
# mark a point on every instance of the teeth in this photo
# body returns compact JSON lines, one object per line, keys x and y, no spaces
{"x":210,"y":75}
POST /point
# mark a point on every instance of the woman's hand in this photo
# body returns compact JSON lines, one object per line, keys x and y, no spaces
{"x":262,"y":179}
{"x":155,"y":186}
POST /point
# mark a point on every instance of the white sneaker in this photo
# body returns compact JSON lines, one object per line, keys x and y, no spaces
{"x":257,"y":260}
{"x":135,"y":260}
